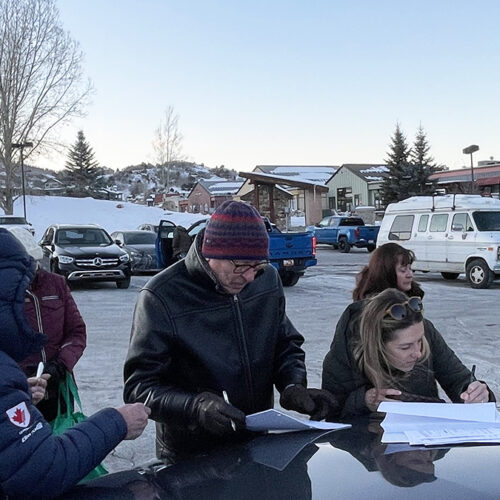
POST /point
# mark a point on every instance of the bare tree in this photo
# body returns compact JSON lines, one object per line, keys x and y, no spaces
{"x":41,"y":84}
{"x":167,"y":144}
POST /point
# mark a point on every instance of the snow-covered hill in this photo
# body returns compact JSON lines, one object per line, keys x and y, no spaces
{"x":42,"y":211}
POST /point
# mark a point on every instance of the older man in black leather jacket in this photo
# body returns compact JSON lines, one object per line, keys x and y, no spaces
{"x":215,"y":325}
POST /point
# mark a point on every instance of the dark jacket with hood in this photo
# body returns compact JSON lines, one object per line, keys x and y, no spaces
{"x":343,"y":378}
{"x":33,"y":462}
{"x":190,"y":336}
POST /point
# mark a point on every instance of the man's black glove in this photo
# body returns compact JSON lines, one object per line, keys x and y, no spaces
{"x":56,"y":369}
{"x":213,"y":414}
{"x":317,"y":403}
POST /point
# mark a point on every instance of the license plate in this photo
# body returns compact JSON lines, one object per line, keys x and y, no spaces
{"x":288,"y":262}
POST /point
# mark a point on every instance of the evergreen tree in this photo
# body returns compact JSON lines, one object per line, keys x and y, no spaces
{"x":423,"y":164}
{"x":398,"y":184}
{"x":81,"y":166}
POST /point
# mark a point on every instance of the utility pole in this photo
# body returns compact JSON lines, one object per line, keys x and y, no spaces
{"x":21,"y":146}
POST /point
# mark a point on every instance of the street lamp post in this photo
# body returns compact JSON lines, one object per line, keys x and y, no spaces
{"x":21,"y":146}
{"x":468,"y":151}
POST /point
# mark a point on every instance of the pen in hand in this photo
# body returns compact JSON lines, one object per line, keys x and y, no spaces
{"x":226,"y":399}
{"x":472,"y":374}
{"x":39,"y":370}
{"x":148,"y":399}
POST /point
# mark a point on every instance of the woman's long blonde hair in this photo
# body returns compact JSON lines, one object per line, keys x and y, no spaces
{"x":376,"y":329}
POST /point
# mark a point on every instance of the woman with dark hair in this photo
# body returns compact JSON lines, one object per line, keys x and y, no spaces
{"x":395,"y":354}
{"x":389,"y":267}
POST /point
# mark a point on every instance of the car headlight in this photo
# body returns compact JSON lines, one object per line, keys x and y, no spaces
{"x":65,"y":259}
{"x":124,"y":257}
{"x":135,"y":255}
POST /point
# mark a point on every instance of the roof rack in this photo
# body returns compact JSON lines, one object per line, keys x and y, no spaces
{"x":453,"y":206}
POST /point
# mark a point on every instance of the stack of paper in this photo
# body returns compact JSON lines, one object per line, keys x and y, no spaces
{"x":437,"y":423}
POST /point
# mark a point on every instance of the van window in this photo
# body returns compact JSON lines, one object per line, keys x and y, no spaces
{"x":487,"y":221}
{"x":422,"y":223}
{"x":401,"y":227}
{"x":438,"y":223}
{"x":462,"y":220}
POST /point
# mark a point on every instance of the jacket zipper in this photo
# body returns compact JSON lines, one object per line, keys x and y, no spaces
{"x":36,"y":304}
{"x":246,"y":360}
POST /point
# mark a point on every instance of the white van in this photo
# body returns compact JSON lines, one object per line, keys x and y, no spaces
{"x":450,"y":234}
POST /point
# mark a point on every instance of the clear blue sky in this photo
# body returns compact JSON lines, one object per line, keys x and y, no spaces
{"x":288,"y":82}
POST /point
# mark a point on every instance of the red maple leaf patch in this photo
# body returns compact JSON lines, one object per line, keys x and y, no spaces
{"x":18,"y":416}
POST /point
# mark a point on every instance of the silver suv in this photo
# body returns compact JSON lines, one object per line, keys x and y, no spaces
{"x":10,"y":221}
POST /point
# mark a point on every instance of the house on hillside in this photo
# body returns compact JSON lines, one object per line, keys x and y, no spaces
{"x":207,"y":195}
{"x":355,"y":185}
{"x":278,"y":190}
{"x":486,"y":179}
{"x":45,"y":185}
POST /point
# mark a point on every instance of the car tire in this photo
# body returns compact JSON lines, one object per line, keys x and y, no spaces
{"x":450,"y":276}
{"x":370,"y":247}
{"x":344,"y":246}
{"x":479,"y":274}
{"x":289,"y":279}
{"x":122,"y":284}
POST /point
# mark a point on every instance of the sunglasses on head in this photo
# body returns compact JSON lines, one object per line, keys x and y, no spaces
{"x":399,"y":311}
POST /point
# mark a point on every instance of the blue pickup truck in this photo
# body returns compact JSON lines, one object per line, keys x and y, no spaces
{"x":290,"y":253}
{"x":346,"y":232}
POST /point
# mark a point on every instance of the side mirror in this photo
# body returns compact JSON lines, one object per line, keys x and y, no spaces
{"x":119,"y":243}
{"x":457,"y":227}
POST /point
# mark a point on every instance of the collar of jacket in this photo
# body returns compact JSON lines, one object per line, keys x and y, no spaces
{"x":198,"y":268}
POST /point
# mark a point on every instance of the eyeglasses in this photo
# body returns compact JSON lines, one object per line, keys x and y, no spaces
{"x":398,"y":311}
{"x":243,"y":268}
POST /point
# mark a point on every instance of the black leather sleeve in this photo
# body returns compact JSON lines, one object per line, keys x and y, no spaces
{"x":149,"y":358}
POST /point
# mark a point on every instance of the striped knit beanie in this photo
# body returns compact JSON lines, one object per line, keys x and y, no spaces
{"x":235,"y":231}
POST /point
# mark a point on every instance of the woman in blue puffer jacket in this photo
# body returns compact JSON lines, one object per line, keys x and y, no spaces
{"x":33,"y":462}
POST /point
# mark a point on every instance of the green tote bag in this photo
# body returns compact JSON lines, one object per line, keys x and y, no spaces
{"x":64,"y":421}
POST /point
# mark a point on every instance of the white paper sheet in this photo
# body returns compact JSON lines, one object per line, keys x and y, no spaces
{"x":479,"y":412}
{"x":275,"y":420}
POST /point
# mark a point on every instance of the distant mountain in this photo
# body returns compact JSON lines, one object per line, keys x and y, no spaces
{"x":134,"y":182}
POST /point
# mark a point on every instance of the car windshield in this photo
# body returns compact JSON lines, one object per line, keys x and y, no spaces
{"x":144,"y":238}
{"x":487,"y":221}
{"x":82,"y":237}
{"x":12,"y":220}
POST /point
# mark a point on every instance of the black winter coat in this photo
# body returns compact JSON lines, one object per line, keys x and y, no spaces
{"x":190,"y":336}
{"x":342,"y":377}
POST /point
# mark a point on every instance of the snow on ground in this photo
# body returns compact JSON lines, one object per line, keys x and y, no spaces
{"x":42,"y":211}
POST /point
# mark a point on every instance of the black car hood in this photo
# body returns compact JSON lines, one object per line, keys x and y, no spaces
{"x":107,"y":251}
{"x":305,"y":465}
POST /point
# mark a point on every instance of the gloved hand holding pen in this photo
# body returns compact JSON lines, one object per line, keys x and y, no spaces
{"x":215,"y":415}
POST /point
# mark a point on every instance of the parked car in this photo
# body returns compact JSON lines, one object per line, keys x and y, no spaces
{"x":140,"y":245}
{"x":84,"y":253}
{"x":9,"y":221}
{"x":290,"y":253}
{"x":316,"y":465}
{"x":449,"y":234}
{"x":345,"y":232}
{"x":148,"y":227}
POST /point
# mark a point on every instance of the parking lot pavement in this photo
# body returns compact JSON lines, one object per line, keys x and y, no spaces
{"x":468,"y":319}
